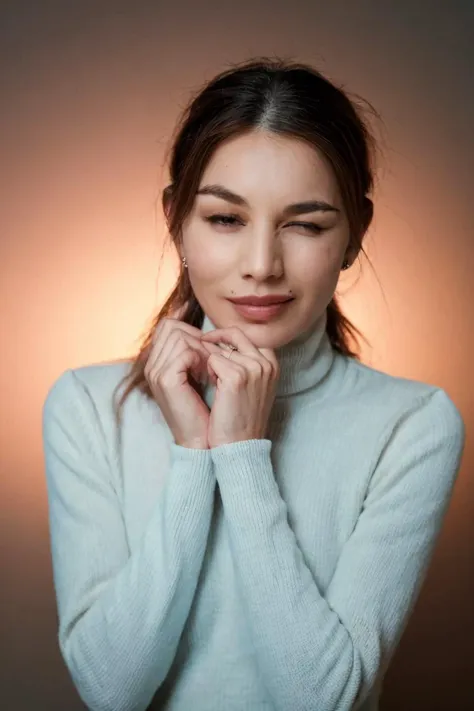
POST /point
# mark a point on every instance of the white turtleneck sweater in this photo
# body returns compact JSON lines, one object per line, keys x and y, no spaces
{"x":272,"y":574}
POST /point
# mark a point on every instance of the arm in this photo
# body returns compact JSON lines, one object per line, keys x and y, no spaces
{"x":120,"y":614}
{"x":328,"y":652}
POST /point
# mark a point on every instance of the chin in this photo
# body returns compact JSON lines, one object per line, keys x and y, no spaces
{"x":266,"y":334}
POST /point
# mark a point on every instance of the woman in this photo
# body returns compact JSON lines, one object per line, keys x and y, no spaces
{"x":250,"y":525}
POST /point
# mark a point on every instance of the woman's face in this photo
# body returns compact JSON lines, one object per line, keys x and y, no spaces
{"x":245,"y":242}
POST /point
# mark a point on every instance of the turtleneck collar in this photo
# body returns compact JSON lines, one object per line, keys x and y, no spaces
{"x":304,"y":362}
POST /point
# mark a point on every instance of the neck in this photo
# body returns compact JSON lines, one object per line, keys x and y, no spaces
{"x":304,"y":362}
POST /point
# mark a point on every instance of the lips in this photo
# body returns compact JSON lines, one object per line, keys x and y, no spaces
{"x":261,"y":301}
{"x":261,"y":313}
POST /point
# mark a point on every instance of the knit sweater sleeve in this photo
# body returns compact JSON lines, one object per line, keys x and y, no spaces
{"x":121,"y":613}
{"x":328,"y":651}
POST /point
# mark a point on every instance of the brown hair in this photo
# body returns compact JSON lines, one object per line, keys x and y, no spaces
{"x":287,"y":98}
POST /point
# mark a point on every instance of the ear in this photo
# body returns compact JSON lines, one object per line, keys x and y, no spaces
{"x":166,"y":199}
{"x":351,"y":254}
{"x":368,"y":213}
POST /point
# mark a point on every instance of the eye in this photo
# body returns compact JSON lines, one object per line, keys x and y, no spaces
{"x":226,"y":220}
{"x":232,"y":220}
{"x":308,"y":226}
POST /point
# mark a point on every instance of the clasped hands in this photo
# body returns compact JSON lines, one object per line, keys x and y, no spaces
{"x":245,"y":387}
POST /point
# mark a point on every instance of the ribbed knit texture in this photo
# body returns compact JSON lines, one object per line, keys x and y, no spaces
{"x":284,"y":587}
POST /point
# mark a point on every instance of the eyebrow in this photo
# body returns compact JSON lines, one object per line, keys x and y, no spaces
{"x":297,"y":208}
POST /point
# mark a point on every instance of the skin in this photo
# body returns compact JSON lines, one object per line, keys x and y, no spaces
{"x":261,"y":250}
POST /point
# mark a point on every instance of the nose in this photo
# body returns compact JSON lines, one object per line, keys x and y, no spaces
{"x":262,"y":256}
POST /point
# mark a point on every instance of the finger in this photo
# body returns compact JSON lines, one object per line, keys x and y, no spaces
{"x":236,"y":337}
{"x":232,"y":336}
{"x":211,"y":374}
{"x":159,"y":360}
{"x":211,"y":347}
{"x":182,"y":361}
{"x":167,"y":325}
{"x":177,"y":341}
{"x":163,"y":335}
{"x":218,"y":366}
{"x":244,"y":368}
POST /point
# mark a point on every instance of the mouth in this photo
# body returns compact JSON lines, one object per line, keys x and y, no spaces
{"x":255,"y":312}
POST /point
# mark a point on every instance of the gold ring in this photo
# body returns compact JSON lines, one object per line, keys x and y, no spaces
{"x":231,"y":350}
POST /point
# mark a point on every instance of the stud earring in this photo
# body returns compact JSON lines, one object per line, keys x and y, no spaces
{"x":185,"y":264}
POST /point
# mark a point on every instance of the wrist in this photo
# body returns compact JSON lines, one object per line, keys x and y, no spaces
{"x":193,"y":445}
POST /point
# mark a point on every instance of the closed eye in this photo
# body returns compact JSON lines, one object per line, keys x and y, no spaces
{"x":307,"y":225}
{"x":230,"y":220}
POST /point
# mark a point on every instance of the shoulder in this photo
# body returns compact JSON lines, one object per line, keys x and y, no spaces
{"x":396,"y":403}
{"x":96,"y":382}
{"x":84,"y":400}
{"x":79,"y":413}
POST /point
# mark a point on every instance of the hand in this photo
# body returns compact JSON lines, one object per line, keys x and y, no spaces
{"x":177,"y":353}
{"x":245,"y":387}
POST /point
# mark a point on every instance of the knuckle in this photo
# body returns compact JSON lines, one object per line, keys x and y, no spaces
{"x":268,"y":368}
{"x":240,"y":376}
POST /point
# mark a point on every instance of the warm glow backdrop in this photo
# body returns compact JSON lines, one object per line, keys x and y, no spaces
{"x":89,"y":95}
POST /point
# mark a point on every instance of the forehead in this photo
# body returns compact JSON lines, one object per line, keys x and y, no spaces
{"x":263,"y":165}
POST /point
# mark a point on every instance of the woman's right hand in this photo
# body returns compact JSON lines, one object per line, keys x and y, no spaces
{"x":177,"y":351}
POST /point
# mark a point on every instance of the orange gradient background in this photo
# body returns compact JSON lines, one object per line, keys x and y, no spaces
{"x":89,"y":96}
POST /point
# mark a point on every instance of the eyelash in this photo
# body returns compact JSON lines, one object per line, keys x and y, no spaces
{"x":221,"y":220}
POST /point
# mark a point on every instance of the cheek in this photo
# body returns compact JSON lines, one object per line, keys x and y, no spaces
{"x":316,"y":265}
{"x":209,"y":264}
{"x":210,"y":260}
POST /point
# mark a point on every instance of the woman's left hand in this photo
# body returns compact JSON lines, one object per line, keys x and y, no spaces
{"x":245,"y":388}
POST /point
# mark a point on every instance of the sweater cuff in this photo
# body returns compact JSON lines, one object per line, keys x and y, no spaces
{"x":199,"y":459}
{"x":193,"y":475}
{"x":244,"y":472}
